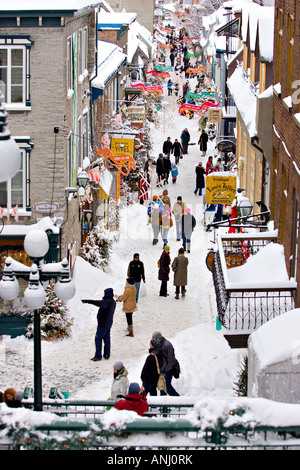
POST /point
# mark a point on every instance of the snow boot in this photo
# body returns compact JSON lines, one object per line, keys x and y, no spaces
{"x":183,"y":292}
{"x":130,"y":330}
{"x":177,"y":295}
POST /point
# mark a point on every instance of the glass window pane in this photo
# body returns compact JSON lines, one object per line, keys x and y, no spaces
{"x":3,"y":195}
{"x":3,"y":57}
{"x":17,"y":76}
{"x":16,"y":94}
{"x":17,"y":57}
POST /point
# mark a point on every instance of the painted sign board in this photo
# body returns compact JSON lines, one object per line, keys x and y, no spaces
{"x":46,"y":207}
{"x":220,"y":189}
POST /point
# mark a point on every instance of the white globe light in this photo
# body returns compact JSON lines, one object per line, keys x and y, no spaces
{"x":36,"y":243}
{"x":35,"y":296}
{"x":9,"y":288}
{"x":65,"y":289}
{"x":10,"y":159}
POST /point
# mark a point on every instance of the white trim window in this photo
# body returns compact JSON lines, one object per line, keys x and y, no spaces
{"x":70,"y":66}
{"x":13,"y":192}
{"x":85,"y":135}
{"x":82,"y":54}
{"x":12,"y":74}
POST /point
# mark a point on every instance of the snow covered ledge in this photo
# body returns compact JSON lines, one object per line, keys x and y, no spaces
{"x":256,"y":290}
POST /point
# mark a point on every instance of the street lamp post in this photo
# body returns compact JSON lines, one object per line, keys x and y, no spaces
{"x":36,"y":245}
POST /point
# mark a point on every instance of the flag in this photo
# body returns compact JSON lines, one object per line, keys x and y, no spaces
{"x":7,"y":213}
{"x":1,"y":212}
{"x":15,"y":213}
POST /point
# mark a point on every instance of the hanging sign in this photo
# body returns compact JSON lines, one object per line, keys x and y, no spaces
{"x":200,"y":110}
{"x":214,"y":115}
{"x":226,"y":146}
{"x":122,"y":145}
{"x":220,"y":189}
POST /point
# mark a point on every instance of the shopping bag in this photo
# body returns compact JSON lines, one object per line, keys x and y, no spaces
{"x":143,"y":290}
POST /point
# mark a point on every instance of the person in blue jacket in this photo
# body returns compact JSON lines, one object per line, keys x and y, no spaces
{"x":105,"y":317}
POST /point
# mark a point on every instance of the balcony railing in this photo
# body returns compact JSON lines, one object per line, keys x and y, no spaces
{"x":241,"y":308}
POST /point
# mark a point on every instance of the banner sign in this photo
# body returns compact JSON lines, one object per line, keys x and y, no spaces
{"x":122,"y":146}
{"x":220,"y":189}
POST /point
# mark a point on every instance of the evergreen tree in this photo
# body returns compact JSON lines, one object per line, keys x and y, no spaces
{"x":55,"y":321}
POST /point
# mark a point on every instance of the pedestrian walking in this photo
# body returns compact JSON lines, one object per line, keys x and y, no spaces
{"x":177,"y":150}
{"x":155,"y":219}
{"x":166,"y":224}
{"x":107,"y":306}
{"x":180,"y":269}
{"x":168,"y":360}
{"x":167,"y":168}
{"x":160,"y":169}
{"x":174,"y":173}
{"x":188,"y":225}
{"x":178,"y":210}
{"x":164,"y":270}
{"x":120,"y":381}
{"x":165,"y":198}
{"x":136,"y":270}
{"x":185,"y":138}
{"x":129,"y":303}
{"x":203,"y":139}
{"x":167,"y":147}
{"x":170,"y":85}
{"x":209,"y":165}
{"x":135,"y":400}
{"x":149,"y":374}
{"x":200,"y":179}
{"x":172,"y":59}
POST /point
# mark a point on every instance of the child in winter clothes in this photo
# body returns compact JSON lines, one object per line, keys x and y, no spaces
{"x":174,"y":173}
{"x":120,"y":383}
{"x":135,"y":400}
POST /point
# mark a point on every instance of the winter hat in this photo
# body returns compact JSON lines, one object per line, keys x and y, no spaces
{"x":179,"y":198}
{"x":156,"y":339}
{"x":108,"y":293}
{"x":130,"y":280}
{"x":136,"y":255}
{"x":118,"y":365}
{"x":187,"y":210}
{"x":134,"y":388}
{"x":154,"y":197}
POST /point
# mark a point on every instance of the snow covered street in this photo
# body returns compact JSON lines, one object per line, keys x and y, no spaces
{"x":209,"y":366}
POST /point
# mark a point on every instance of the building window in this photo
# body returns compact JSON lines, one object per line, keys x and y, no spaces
{"x":290,"y":54}
{"x":85,"y":135}
{"x":15,"y":70}
{"x":279,"y":45}
{"x":295,"y":236}
{"x":82,"y":53}
{"x":14,"y":192}
{"x":79,"y":143}
{"x":70,"y":66}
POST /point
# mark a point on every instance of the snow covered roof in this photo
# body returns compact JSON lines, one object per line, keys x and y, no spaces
{"x":51,"y":5}
{"x":245,"y":99}
{"x":110,"y":59}
{"x":46,"y":223}
{"x":139,"y":37}
{"x":258,"y":25}
{"x":115,"y":20}
{"x":277,"y":340}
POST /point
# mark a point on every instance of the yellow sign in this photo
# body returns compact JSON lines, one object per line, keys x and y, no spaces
{"x":220,"y":189}
{"x":122,"y":146}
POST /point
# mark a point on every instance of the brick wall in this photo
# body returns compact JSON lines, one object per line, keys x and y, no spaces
{"x":285,"y":184}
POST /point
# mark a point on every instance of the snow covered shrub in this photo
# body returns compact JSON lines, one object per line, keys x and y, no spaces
{"x":55,"y":320}
{"x":97,"y":247}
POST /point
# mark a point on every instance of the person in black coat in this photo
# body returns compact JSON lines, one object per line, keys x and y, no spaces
{"x":160,"y":169}
{"x":167,"y":167}
{"x":167,"y":146}
{"x":164,"y":270}
{"x":177,"y":150}
{"x":200,"y":181}
{"x":149,"y":374}
{"x":203,"y":139}
{"x":137,"y":271}
{"x":105,"y":317}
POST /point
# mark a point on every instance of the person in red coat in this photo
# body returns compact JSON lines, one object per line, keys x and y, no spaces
{"x":135,"y":400}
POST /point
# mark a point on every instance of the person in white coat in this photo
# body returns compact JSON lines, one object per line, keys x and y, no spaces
{"x":120,"y":384}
